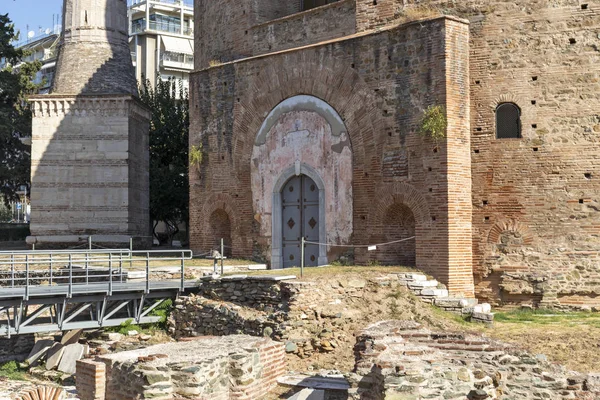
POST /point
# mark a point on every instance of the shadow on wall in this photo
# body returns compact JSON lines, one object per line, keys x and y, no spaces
{"x":90,"y":136}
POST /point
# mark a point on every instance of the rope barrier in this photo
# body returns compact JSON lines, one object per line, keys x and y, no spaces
{"x":360,"y":245}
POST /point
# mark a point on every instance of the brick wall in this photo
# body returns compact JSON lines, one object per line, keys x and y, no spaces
{"x":380,"y":96}
{"x":91,"y":380}
{"x":541,"y":56}
{"x":304,"y":28}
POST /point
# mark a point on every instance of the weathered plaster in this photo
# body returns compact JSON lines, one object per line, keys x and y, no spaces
{"x":313,"y":139}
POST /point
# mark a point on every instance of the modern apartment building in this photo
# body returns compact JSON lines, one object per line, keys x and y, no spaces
{"x":161,"y":39}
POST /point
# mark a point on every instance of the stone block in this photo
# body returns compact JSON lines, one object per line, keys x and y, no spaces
{"x":423,"y":284}
{"x":39,"y":350}
{"x":71,"y":337}
{"x":434,"y":292}
{"x":72,"y":353}
{"x":54,"y":356}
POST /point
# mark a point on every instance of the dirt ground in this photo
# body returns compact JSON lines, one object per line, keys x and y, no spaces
{"x":571,"y":339}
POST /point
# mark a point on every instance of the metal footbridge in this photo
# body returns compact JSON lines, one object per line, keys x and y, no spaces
{"x":48,"y":291}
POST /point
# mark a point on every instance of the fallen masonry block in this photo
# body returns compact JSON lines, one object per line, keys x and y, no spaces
{"x":72,"y":353}
{"x":486,"y":318}
{"x":314,"y":382}
{"x":71,"y":337}
{"x":54,"y":356}
{"x":422,"y":284}
{"x":39,"y":350}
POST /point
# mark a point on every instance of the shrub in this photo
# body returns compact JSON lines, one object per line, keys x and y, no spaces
{"x":434,"y":123}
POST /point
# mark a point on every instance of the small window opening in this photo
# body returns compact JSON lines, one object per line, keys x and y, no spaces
{"x":485,"y":202}
{"x":572,"y":41}
{"x":535,"y":149}
{"x":508,"y":121}
{"x":533,"y":102}
{"x":580,"y":201}
{"x":588,"y":175}
{"x":477,"y":82}
{"x":476,"y":151}
{"x":584,"y":6}
{"x":486,"y":218}
{"x":478,"y":129}
{"x":309,"y":4}
{"x":534,"y":126}
{"x":534,"y":78}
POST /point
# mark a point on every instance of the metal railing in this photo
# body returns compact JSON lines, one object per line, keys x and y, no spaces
{"x":69,"y":268}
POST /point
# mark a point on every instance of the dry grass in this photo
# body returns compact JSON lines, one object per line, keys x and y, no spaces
{"x":420,"y":12}
{"x":571,"y":339}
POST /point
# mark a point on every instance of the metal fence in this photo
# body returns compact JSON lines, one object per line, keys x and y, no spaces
{"x":72,"y":268}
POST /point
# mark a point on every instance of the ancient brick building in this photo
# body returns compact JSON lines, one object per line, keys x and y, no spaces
{"x":310,"y":111}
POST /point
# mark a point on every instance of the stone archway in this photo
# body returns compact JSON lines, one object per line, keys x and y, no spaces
{"x":303,"y":135}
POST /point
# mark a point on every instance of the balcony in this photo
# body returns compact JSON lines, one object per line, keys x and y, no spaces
{"x":161,"y":27}
{"x":177,"y":60}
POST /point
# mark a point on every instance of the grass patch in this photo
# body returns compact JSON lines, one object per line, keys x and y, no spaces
{"x":13,"y":371}
{"x":548,"y":317}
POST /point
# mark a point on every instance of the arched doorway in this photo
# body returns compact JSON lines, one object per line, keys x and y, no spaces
{"x":300,"y":218}
{"x":220,"y":228}
{"x":399,"y":224}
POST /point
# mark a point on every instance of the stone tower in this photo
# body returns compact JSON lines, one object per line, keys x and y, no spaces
{"x":89,"y":173}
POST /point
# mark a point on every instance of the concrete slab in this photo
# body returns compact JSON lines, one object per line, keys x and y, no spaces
{"x":54,"y":355}
{"x":39,"y":350}
{"x":72,"y":353}
{"x":314,"y":382}
{"x":71,"y":337}
{"x":309,"y":394}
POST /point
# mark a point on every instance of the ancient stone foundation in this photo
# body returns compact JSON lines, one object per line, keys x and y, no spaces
{"x":222,"y":368}
{"x":16,"y":348}
{"x":402,"y":360}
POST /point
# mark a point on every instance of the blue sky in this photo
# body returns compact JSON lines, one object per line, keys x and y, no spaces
{"x":35,"y":13}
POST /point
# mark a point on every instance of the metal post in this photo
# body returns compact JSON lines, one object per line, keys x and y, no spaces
{"x":110,"y":274}
{"x":70,"y":293}
{"x":87,"y":265}
{"x":33,"y":247}
{"x":121,"y":267}
{"x":12,"y":270}
{"x":89,"y":242}
{"x":222,"y":255}
{"x":182,"y":271}
{"x":130,"y":253}
{"x":147,"y":272}
{"x":50,"y":269}
{"x":302,"y":258}
{"x":26,"y":277}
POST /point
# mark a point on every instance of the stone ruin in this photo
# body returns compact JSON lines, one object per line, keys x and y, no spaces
{"x":402,"y":360}
{"x":218,"y":368}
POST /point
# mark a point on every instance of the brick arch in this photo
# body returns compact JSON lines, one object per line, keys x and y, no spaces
{"x":295,"y":74}
{"x":214,"y":203}
{"x":406,"y":194}
{"x":509,"y":225}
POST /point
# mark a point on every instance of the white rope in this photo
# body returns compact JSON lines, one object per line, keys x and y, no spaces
{"x":360,"y":245}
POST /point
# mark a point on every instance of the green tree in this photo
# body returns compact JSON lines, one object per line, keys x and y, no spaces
{"x":16,"y":83}
{"x":169,"y":132}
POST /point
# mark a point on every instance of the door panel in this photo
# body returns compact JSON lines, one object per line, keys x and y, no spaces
{"x":300,"y":218}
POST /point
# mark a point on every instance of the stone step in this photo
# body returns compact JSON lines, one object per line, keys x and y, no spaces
{"x":455,"y":302}
{"x":423,"y":284}
{"x":412,"y":276}
{"x":434,"y":292}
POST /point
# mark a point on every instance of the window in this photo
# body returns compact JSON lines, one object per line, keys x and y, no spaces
{"x":508,"y":121}
{"x":308,"y":4}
